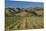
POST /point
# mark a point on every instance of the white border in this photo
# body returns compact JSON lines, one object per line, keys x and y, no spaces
{"x":44,"y":15}
{"x":2,"y":17}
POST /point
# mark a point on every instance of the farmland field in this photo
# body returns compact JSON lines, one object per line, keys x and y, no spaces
{"x":22,"y":23}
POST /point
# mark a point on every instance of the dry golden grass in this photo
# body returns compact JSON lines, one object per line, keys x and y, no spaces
{"x":22,"y":23}
{"x":24,"y":14}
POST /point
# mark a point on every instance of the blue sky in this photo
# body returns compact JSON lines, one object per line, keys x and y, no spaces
{"x":22,"y":4}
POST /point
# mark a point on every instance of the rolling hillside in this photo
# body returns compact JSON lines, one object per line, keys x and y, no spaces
{"x":23,"y":19}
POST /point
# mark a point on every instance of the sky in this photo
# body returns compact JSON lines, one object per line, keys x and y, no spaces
{"x":22,"y":4}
